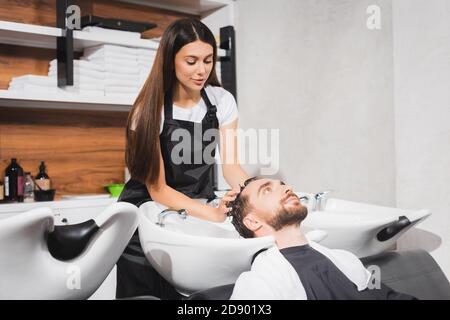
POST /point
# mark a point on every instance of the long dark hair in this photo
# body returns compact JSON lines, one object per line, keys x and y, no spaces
{"x":141,"y":154}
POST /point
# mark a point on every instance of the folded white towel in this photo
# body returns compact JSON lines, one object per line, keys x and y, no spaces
{"x":122,"y":70}
{"x":143,"y":75}
{"x":143,"y":69}
{"x":52,"y":83}
{"x":102,"y":54}
{"x":83,"y":64}
{"x":147,"y":62}
{"x":120,"y":76}
{"x":86,"y":85}
{"x":130,"y":96}
{"x":30,"y":87}
{"x":121,"y":89}
{"x":146,"y":52}
{"x":147,"y":55}
{"x":80,"y":79}
{"x":142,"y":66}
{"x":80,"y":91}
{"x":110,"y":48}
{"x":80,"y":72}
{"x":111,"y":82}
{"x":115,"y":62}
{"x":112,"y":32}
{"x":34,"y":79}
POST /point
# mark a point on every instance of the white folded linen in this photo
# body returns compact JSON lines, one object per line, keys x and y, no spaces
{"x":121,"y":70}
{"x":77,"y":83}
{"x":51,"y":82}
{"x":102,"y":54}
{"x":115,"y":62}
{"x":121,"y":89}
{"x":145,"y":66}
{"x":143,"y":76}
{"x":80,"y":72}
{"x":146,"y":56}
{"x":83,"y":64}
{"x":84,"y":92}
{"x":112,"y":82}
{"x":34,"y":79}
{"x":27,"y":87}
{"x":144,"y":70}
{"x":146,"y":52}
{"x":110,"y":48}
{"x":147,"y":63}
{"x":112,"y":32}
{"x":80,"y":79}
{"x":30,"y":87}
{"x":121,"y":76}
{"x":130,"y":96}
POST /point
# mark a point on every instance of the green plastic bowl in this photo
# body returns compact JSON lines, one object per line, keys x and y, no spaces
{"x":115,"y":189}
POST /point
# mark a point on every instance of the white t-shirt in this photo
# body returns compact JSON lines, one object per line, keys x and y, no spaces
{"x":224,"y":101}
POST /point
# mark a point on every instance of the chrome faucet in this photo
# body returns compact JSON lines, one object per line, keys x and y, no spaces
{"x":163,"y":214}
{"x":305,"y":199}
{"x":321,"y":200}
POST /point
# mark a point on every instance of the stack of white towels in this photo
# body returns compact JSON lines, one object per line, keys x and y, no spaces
{"x":103,"y":70}
{"x":125,"y":69}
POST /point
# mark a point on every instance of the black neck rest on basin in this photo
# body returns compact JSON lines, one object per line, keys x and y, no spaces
{"x":68,"y":242}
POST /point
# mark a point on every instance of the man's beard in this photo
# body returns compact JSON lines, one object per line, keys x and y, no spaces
{"x":288,"y":216}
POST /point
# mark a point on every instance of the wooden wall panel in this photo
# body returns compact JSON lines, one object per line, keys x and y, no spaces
{"x":83,"y":150}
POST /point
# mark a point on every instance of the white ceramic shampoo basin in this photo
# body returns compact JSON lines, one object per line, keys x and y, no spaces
{"x":34,"y":267}
{"x":363,"y":229}
{"x":193,"y":254}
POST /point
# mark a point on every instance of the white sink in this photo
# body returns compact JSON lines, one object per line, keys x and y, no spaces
{"x":194,"y":254}
{"x":361,"y":228}
{"x":28,"y":269}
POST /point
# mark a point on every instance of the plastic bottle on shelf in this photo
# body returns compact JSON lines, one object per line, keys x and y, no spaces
{"x":28,"y":189}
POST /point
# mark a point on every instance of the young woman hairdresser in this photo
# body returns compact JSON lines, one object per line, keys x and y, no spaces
{"x":181,"y":92}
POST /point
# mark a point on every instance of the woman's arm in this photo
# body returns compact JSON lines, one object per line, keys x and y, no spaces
{"x":231,"y":168}
{"x":166,"y":195}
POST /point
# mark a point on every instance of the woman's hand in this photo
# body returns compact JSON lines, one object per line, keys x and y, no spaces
{"x":228,"y":197}
{"x":220,"y":213}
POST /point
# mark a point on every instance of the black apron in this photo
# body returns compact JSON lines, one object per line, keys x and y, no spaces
{"x":194,"y":178}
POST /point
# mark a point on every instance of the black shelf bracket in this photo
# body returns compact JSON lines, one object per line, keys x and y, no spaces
{"x":64,"y":45}
{"x":228,"y":73}
{"x":228,"y":62}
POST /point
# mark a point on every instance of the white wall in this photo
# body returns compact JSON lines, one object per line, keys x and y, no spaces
{"x":363,"y":111}
{"x":313,"y":69}
{"x":422,"y":117}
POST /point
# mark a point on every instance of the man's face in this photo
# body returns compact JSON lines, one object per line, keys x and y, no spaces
{"x":273,"y":203}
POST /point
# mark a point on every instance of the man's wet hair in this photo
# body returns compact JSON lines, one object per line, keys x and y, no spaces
{"x":239,"y":207}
